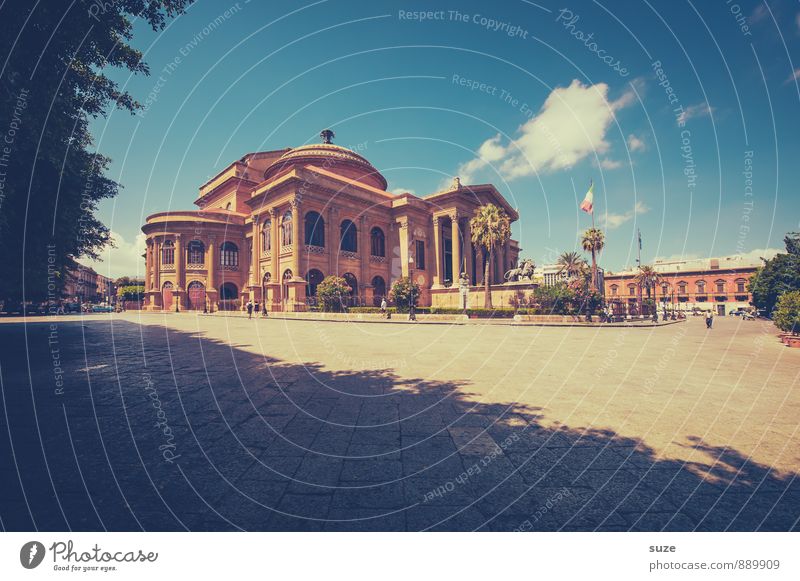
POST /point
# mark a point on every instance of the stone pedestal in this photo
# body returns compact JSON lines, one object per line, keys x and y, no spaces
{"x":273,"y":298}
{"x":296,"y":301}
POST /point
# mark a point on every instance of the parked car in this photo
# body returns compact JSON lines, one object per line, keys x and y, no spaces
{"x":738,"y":312}
{"x":102,"y":309}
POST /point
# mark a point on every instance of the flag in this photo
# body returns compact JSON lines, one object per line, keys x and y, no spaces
{"x":639,"y":232}
{"x":587,"y":205}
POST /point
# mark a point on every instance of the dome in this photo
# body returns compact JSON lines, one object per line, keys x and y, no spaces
{"x":330,"y":157}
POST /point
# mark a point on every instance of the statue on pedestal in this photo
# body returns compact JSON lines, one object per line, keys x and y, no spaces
{"x":522,"y":272}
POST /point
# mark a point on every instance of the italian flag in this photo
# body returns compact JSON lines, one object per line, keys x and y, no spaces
{"x":587,"y":205}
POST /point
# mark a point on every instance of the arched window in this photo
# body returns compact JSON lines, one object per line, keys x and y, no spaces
{"x":266,"y":236}
{"x":228,"y":206}
{"x":378,"y":290}
{"x":614,"y":289}
{"x":701,"y":287}
{"x":196,"y":296}
{"x":286,"y":229}
{"x":229,"y":254}
{"x":682,"y":288}
{"x":349,"y":237}
{"x":313,"y":278}
{"x":720,"y":284}
{"x":377,"y":242}
{"x":314,"y":230}
{"x":196,"y":252}
{"x":168,"y":252}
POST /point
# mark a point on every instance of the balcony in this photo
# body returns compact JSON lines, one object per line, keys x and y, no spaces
{"x":377,"y":259}
{"x":348,"y":255}
{"x":195,"y":266}
{"x":311,"y":249}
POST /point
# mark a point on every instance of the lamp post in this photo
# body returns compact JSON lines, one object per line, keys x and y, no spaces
{"x":412,"y":316}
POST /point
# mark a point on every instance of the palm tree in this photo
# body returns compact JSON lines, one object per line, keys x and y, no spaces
{"x":593,"y":241}
{"x":490,"y":228}
{"x":648,"y":278}
{"x":572,"y":263}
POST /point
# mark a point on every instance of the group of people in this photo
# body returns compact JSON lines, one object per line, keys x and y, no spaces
{"x":255,"y":307}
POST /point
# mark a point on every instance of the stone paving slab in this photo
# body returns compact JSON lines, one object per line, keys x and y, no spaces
{"x":163,"y":422}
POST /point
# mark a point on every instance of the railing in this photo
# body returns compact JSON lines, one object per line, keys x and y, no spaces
{"x":349,"y":255}
{"x":195,"y":266}
{"x":377,"y":259}
{"x":230,"y":267}
{"x":286,"y":249}
{"x":311,"y":249}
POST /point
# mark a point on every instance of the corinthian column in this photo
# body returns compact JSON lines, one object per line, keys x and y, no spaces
{"x":296,"y":242}
{"x":456,"y":238}
{"x":437,"y":246}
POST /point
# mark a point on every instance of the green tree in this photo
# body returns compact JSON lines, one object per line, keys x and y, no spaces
{"x":490,"y":228}
{"x":779,"y":275}
{"x":332,"y":293}
{"x":572,"y":263}
{"x":787,"y":312}
{"x":593,"y":241}
{"x":648,"y":278}
{"x":404,"y":293}
{"x":555,"y":299}
{"x":131,"y":293}
{"x":52,"y":84}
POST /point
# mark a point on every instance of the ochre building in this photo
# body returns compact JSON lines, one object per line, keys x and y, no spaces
{"x":272,"y":225}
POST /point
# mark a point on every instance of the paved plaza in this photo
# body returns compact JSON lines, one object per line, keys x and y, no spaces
{"x":184,"y":421}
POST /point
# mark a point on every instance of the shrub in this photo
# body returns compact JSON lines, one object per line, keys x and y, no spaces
{"x":404,"y":293}
{"x":370,"y":310}
{"x":131,"y":293}
{"x":331,"y":294}
{"x":787,"y":312}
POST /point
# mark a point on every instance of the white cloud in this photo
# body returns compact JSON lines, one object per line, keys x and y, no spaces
{"x":635,"y":143}
{"x":399,"y":191}
{"x":571,"y":125}
{"x":759,"y":14}
{"x":794,"y":76}
{"x":613,"y":221}
{"x":695,"y":111}
{"x":125,"y":259}
{"x":610,"y":164}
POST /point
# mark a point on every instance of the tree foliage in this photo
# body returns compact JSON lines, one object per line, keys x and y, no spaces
{"x":779,"y":275}
{"x":404,"y":293}
{"x":787,"y":312}
{"x":51,"y":86}
{"x":332,"y":294}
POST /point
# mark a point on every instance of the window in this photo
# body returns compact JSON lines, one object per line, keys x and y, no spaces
{"x":701,"y":287}
{"x":196,"y":252}
{"x":266,"y":236}
{"x":664,"y":289}
{"x":228,"y":206}
{"x":681,"y":288}
{"x":377,"y":241}
{"x":352,"y":282}
{"x":741,"y":286}
{"x":378,"y":290}
{"x":228,"y":254}
{"x":720,"y":286}
{"x":349,"y":237}
{"x":168,"y":252}
{"x":314,"y":230}
{"x":286,"y":229}
{"x":313,"y":278}
{"x":419,"y":254}
{"x":614,"y":289}
{"x":631,"y":289}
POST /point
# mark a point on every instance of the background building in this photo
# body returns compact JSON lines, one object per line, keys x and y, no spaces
{"x":272,"y":225}
{"x":81,"y":284}
{"x":710,"y":283}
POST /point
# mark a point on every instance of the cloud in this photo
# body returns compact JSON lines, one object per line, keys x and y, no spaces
{"x":794,"y":76}
{"x":610,"y":164}
{"x":571,"y":125}
{"x":635,"y":143}
{"x":753,"y":256}
{"x":759,"y":13}
{"x":695,"y":111}
{"x":399,"y":191}
{"x":124,"y":259}
{"x":614,"y":221}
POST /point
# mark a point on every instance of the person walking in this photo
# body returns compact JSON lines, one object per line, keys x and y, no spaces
{"x":257,"y":308}
{"x":249,"y":309}
{"x":709,"y":319}
{"x":383,"y":307}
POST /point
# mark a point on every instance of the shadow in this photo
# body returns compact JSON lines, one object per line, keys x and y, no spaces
{"x":118,"y":426}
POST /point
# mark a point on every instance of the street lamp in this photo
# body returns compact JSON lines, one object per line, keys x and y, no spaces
{"x":412,"y":316}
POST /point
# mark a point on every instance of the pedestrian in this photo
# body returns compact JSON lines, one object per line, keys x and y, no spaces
{"x":383,"y":307}
{"x":249,"y":309}
{"x":257,"y":308}
{"x":709,"y":319}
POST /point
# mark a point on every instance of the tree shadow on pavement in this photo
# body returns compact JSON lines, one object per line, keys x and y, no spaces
{"x":150,"y":428}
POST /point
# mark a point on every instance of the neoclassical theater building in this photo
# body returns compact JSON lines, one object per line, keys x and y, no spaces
{"x":272,"y":225}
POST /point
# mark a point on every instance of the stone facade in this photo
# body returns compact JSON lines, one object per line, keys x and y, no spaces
{"x":273,"y":224}
{"x":717,"y":283}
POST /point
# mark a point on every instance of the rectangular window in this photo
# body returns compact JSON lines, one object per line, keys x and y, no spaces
{"x":419,"y":252}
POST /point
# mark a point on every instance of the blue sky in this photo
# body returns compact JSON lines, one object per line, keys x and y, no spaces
{"x":537,"y":98}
